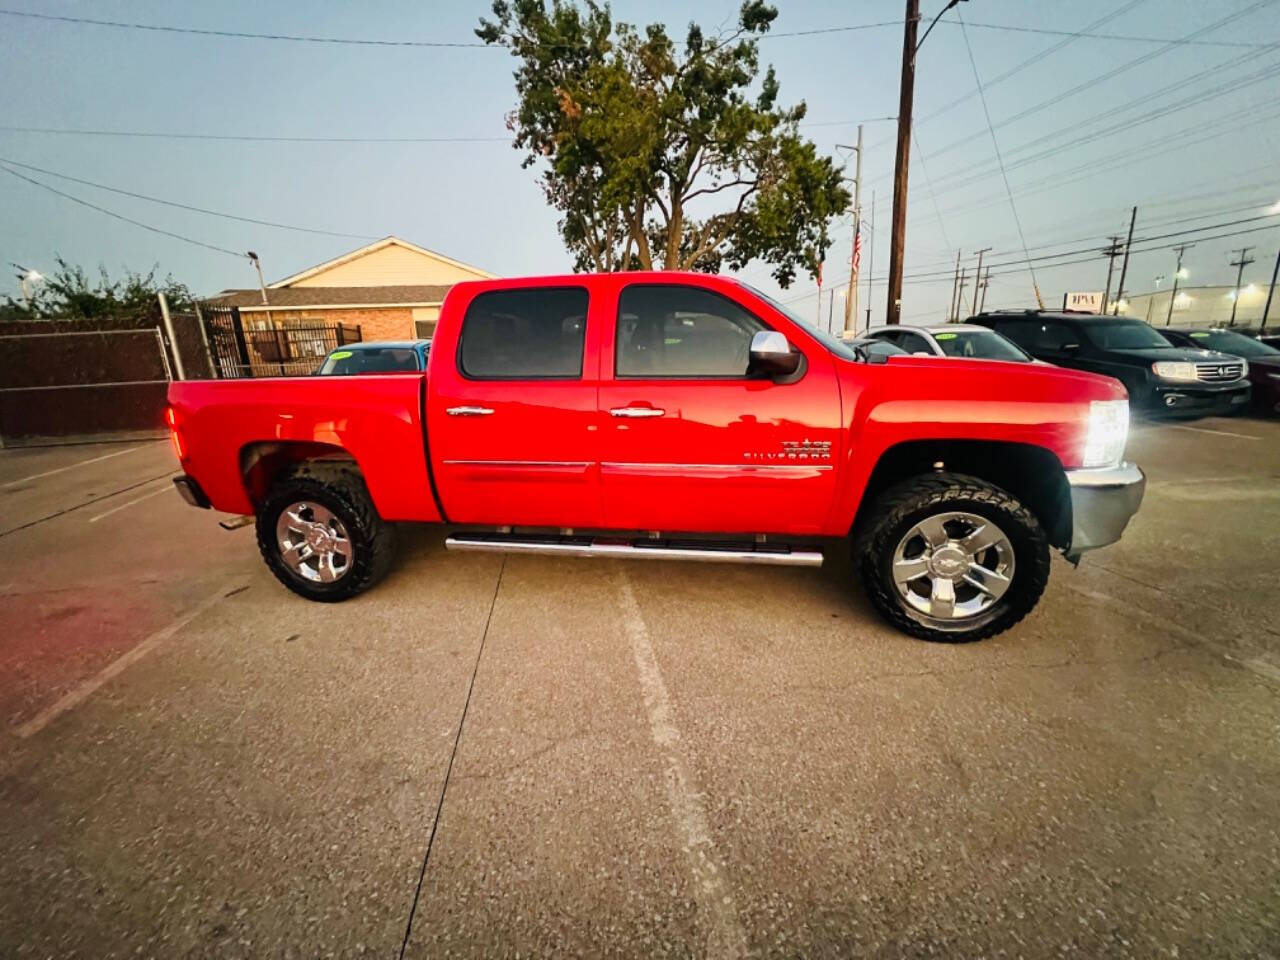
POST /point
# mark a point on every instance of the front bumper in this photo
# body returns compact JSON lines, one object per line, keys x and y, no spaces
{"x":1199,"y":398}
{"x":1102,"y":501}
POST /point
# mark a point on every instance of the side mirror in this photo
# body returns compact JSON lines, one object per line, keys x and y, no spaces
{"x":772,"y":355}
{"x":1070,"y":347}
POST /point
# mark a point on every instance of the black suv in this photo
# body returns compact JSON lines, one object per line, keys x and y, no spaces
{"x":1160,"y":377}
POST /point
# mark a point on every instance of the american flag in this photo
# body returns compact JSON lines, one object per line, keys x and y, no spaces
{"x":857,"y":250}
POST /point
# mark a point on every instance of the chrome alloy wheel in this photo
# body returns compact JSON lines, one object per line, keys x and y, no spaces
{"x":951,"y":567}
{"x":313,"y":542}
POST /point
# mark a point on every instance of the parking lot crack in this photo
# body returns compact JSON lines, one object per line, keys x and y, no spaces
{"x":444,"y":787}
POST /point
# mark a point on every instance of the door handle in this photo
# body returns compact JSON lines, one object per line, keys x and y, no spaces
{"x":639,"y":412}
{"x":469,"y":411}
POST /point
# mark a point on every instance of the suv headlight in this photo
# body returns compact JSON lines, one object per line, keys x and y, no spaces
{"x":1174,"y":370}
{"x":1106,"y":433}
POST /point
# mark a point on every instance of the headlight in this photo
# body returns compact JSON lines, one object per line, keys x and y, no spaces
{"x":1174,"y":370}
{"x":1106,"y":433}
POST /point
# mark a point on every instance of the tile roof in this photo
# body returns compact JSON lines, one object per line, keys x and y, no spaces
{"x":285,"y":297}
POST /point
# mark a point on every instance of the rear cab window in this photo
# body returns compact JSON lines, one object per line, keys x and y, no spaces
{"x":534,"y":333}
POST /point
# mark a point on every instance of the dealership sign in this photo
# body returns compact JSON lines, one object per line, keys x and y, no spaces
{"x":1083,"y":302}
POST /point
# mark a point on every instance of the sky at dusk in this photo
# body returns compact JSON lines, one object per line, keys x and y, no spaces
{"x":1087,"y":127}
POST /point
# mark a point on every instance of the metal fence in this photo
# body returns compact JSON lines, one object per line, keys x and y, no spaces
{"x":265,"y":348}
{"x":74,"y":382}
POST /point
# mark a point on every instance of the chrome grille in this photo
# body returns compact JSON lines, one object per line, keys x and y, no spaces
{"x":1219,"y":372}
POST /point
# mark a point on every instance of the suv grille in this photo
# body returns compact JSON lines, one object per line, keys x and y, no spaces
{"x":1219,"y":372}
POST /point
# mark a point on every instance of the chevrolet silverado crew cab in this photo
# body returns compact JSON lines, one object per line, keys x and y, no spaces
{"x":681,"y":416}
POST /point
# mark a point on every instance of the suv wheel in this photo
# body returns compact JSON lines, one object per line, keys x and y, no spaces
{"x":320,"y":535}
{"x":952,"y":558}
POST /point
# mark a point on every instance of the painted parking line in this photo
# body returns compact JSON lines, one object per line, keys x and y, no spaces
{"x":724,"y":937}
{"x":1206,"y":430}
{"x":71,"y":466}
{"x":81,"y":693}
{"x":130,"y":503}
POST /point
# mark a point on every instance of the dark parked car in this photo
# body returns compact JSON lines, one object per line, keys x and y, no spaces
{"x":391,"y":356}
{"x":1263,"y":359}
{"x":1160,"y":377}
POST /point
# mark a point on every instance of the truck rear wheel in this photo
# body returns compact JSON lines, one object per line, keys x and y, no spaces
{"x":320,"y":534}
{"x":951,"y":558}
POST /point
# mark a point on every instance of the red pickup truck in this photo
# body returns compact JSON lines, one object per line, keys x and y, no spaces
{"x":678,"y":416}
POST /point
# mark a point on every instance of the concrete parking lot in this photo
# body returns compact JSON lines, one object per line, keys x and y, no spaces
{"x":532,"y":756}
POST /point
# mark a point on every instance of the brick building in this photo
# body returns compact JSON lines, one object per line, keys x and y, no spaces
{"x":391,"y":288}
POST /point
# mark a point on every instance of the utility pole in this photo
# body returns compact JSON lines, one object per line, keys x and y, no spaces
{"x":1180,"y":249}
{"x":871,"y":257}
{"x":960,"y":293}
{"x":851,"y":301}
{"x":1270,"y":293}
{"x":986,"y":282}
{"x":1124,"y":267}
{"x":906,"y":97}
{"x":955,"y":283}
{"x":1111,"y":252}
{"x":977,"y":279}
{"x":1240,"y":264}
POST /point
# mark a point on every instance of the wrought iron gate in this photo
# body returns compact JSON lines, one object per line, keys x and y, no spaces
{"x":270,"y":349}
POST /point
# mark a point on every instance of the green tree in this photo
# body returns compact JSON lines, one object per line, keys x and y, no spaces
{"x":664,"y":156}
{"x":69,"y":294}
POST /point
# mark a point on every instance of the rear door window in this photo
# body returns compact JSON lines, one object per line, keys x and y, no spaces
{"x":532,"y":334}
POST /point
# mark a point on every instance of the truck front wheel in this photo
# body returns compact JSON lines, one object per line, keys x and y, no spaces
{"x":951,"y":558}
{"x":320,"y":534}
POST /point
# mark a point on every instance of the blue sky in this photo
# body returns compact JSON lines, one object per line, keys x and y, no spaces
{"x":1075,"y":166}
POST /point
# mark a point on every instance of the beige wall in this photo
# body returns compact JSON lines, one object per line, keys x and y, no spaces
{"x":390,"y":266}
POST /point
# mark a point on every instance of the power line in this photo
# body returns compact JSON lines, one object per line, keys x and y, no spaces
{"x":1128,"y":37}
{"x":1035,"y":58}
{"x":976,"y":172}
{"x":999,"y":159}
{"x":238,"y":34}
{"x":1100,"y":78}
{"x":156,"y":135}
{"x":472,"y":44}
{"x":184,"y":206}
{"x":120,"y":216}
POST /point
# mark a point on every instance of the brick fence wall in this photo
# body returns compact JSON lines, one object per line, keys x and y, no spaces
{"x":376,"y":323}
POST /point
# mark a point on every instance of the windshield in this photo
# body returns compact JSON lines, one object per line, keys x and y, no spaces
{"x":345,"y":363}
{"x":834,"y":344}
{"x":981,"y":344}
{"x":1228,"y":341}
{"x":1124,"y":336}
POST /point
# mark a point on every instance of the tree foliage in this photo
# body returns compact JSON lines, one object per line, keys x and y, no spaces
{"x":69,"y":294}
{"x":659,"y":155}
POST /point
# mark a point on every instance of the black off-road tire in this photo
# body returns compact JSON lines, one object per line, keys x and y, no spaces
{"x":902,"y":506}
{"x":340,"y":488}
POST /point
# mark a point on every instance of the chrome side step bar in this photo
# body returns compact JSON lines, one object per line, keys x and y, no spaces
{"x":626,"y":550}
